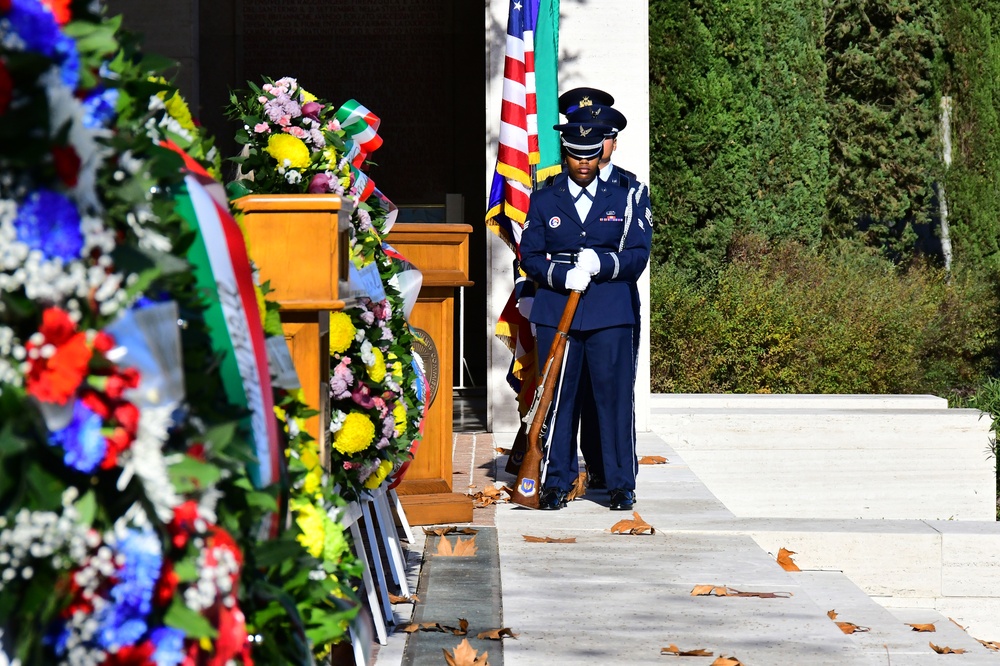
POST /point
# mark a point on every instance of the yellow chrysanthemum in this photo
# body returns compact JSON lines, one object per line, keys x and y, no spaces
{"x":178,"y":109}
{"x":307,"y":96}
{"x":287,"y":147}
{"x":379,"y":475}
{"x":399,"y":416}
{"x":357,"y":434}
{"x":376,"y":371}
{"x":310,"y":522}
{"x":335,"y":544}
{"x":342,"y":332}
{"x":314,"y":478}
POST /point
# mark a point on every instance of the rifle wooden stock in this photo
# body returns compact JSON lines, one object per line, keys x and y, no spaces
{"x":526,"y":489}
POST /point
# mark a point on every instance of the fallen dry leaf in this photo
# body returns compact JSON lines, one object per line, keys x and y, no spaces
{"x":723,"y":591}
{"x":423,"y":626}
{"x":502,"y":451}
{"x":465,"y":655}
{"x":536,"y":539}
{"x":451,"y":529}
{"x":579,"y":488}
{"x":851,"y":628}
{"x":463,"y":627}
{"x":496,"y":634}
{"x":785,"y":560}
{"x":832,"y":614}
{"x":635,"y":526}
{"x":462,"y":547}
{"x":955,"y":622}
{"x":652,"y":460}
{"x":489,"y":496}
{"x":396,"y":599}
{"x":990,"y":645}
{"x":727,"y":661}
{"x":673,"y":649}
{"x":946,"y":650}
{"x":922,"y":627}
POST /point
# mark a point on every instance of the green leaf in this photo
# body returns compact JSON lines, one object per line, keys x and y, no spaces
{"x":277,"y":551}
{"x":192,"y":623}
{"x":186,"y":570}
{"x":86,"y":506}
{"x":190,"y":474}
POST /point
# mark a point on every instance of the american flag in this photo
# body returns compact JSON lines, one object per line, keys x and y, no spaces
{"x":512,"y":181}
{"x":518,"y":145}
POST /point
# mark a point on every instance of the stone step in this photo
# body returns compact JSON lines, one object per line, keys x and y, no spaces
{"x":835,"y":463}
{"x":887,"y":635}
{"x":691,"y":401}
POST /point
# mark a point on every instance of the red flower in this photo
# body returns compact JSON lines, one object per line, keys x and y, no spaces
{"x":132,"y":655}
{"x":182,"y":524}
{"x":67,"y":164}
{"x":232,"y":641}
{"x":56,"y":377}
{"x":127,"y":416}
{"x":197,"y":451}
{"x":121,"y":380}
{"x":60,"y":9}
{"x":6,"y":82}
{"x":118,"y":442}
{"x":96,"y":403}
{"x":103,"y":342}
{"x":166,"y":587}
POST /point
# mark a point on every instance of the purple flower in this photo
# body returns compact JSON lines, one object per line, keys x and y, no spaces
{"x":320,"y":184}
{"x":340,"y":382}
{"x":382,"y":443}
{"x":367,"y":317}
{"x":49,"y":222}
{"x":311,"y":110}
{"x":362,"y":396}
{"x":389,"y":426}
{"x":83,"y":444}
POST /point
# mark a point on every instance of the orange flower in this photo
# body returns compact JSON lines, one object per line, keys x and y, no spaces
{"x":58,"y":361}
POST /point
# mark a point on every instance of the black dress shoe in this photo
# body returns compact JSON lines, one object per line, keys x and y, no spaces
{"x":622,"y":500}
{"x":552,"y":499}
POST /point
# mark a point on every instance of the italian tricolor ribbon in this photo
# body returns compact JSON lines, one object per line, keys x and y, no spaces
{"x":222,"y":269}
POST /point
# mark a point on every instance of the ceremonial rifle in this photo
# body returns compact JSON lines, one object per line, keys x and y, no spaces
{"x":527,"y":487}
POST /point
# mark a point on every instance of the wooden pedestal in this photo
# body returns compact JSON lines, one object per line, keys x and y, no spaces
{"x":441,"y":252}
{"x":300,"y":243}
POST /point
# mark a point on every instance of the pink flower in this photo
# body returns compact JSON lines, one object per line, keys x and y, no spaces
{"x":260,"y":128}
{"x":297,"y":132}
{"x":285,"y":120}
{"x":320,"y":184}
{"x":382,"y":309}
{"x":333,"y":126}
{"x":362,"y":396}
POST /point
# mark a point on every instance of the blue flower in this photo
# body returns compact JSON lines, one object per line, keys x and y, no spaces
{"x":124,"y":620}
{"x":83,"y":444}
{"x":169,"y":646}
{"x":99,"y":108}
{"x":34,"y":23}
{"x":49,"y":222}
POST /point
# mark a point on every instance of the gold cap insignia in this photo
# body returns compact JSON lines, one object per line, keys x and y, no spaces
{"x":584,"y":131}
{"x":585,"y":101}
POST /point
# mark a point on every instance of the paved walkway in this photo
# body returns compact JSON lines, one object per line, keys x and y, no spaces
{"x":619,"y":599}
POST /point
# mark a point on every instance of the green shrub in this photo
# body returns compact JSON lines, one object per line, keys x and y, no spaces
{"x":787,"y":319}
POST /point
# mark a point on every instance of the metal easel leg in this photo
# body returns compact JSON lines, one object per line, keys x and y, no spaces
{"x":376,"y":558}
{"x":401,"y":515}
{"x":390,"y":539}
{"x":371,"y":592}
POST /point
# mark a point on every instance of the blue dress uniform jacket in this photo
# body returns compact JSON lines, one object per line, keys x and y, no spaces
{"x":616,"y":229}
{"x":601,"y":335}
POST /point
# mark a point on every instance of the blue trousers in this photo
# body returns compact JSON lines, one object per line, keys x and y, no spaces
{"x":609,"y":357}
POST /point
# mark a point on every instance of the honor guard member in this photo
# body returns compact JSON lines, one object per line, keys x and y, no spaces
{"x":589,"y":105}
{"x":585,"y":235}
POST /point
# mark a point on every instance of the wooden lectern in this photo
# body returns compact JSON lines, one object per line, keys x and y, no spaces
{"x":301,"y":244}
{"x":441,"y":252}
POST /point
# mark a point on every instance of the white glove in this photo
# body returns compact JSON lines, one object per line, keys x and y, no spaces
{"x":577,"y":279}
{"x":589,"y":261}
